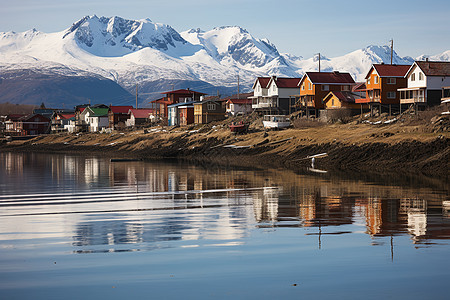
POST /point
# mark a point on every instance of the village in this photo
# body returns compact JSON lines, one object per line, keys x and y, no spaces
{"x":322,"y":96}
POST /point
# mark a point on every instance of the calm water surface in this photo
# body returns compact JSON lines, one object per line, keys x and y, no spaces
{"x":75,"y":227}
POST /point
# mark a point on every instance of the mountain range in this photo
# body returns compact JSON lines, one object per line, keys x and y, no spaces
{"x":102,"y":59}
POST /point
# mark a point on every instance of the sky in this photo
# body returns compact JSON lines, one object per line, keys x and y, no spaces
{"x":299,"y":27}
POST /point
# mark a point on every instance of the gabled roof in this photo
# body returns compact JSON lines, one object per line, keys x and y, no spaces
{"x":66,"y":116}
{"x":240,"y":101}
{"x":141,"y":113}
{"x":329,"y":78}
{"x":282,"y":82}
{"x":359,"y":87}
{"x":434,"y":68}
{"x":120,"y":109}
{"x":263,"y":82}
{"x":183,"y":91}
{"x":31,"y":116}
{"x":348,"y":97}
{"x":96,"y":111}
{"x":389,"y":70}
{"x":15,"y":117}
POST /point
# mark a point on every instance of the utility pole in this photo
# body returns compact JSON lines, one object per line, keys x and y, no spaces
{"x":136,"y":97}
{"x":239,"y":97}
{"x":319,"y":61}
{"x":392,"y":49}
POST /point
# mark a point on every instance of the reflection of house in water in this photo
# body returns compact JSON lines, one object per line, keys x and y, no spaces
{"x":119,"y":230}
{"x":265,"y":204}
{"x":382,"y":216}
{"x":416,"y":210}
{"x":13,"y":162}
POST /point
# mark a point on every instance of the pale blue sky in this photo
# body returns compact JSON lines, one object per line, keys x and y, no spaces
{"x":298,"y":27}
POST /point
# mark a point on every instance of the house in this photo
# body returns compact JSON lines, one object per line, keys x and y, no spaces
{"x":181,"y":113}
{"x":118,"y":115}
{"x":382,"y":82}
{"x":336,"y":100}
{"x":11,"y":124}
{"x":60,"y":121}
{"x":278,"y":96}
{"x":239,"y":106}
{"x":95,"y":117}
{"x":207,"y":111}
{"x":314,"y":86}
{"x":173,"y":97}
{"x":426,"y":81}
{"x":139,"y":116}
{"x":259,"y":98}
{"x":32,"y":124}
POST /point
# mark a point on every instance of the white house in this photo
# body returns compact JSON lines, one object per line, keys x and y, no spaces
{"x":281,"y":93}
{"x":239,"y":106}
{"x":95,"y":117}
{"x":259,"y":98}
{"x":425,"y":81}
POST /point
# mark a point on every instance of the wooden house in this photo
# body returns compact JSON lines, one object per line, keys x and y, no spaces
{"x":60,"y":121}
{"x":33,"y":124}
{"x":314,"y":86}
{"x":208,"y":111}
{"x":339,"y":100}
{"x":96,"y":118}
{"x":181,"y":113}
{"x":139,"y":116}
{"x":173,"y":97}
{"x":382,"y":82}
{"x":118,"y":115}
{"x":238,"y":106}
{"x":425,"y":82}
{"x":277,"y":96}
{"x":260,"y":92}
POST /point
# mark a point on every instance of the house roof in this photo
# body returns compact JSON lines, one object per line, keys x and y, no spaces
{"x":263,"y":81}
{"x":348,"y":97}
{"x":15,"y":117}
{"x":240,"y":101}
{"x":183,"y":91}
{"x":389,"y":70}
{"x":31,"y":116}
{"x":120,"y":109}
{"x":66,"y":116}
{"x":329,"y":78}
{"x":285,"y":82}
{"x":359,"y":87}
{"x":141,"y":113}
{"x":181,"y":104}
{"x":98,"y":111}
{"x":434,"y":68}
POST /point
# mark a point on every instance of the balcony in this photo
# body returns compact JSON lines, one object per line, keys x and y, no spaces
{"x":412,"y":95}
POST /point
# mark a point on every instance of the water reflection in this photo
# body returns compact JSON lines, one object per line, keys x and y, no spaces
{"x":137,"y":206}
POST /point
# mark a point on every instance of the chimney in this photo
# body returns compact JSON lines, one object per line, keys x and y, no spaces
{"x":426,"y":59}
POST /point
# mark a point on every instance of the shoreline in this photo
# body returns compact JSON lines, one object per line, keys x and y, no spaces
{"x":360,"y":147}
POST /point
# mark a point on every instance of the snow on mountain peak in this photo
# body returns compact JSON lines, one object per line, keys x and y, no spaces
{"x":116,"y":36}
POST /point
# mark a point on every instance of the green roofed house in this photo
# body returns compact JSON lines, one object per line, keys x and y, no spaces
{"x":96,"y":118}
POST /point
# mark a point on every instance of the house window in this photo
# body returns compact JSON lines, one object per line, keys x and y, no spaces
{"x":332,"y":102}
{"x":303,"y":87}
{"x":413,"y":77}
{"x":375,"y":79}
{"x":391,"y":80}
{"x":211,"y":106}
{"x":273,"y":88}
{"x":368,"y":80}
{"x":420,"y":76}
{"x":345,"y":88}
{"x":310,"y":86}
{"x":391,"y":95}
{"x":325,"y":87}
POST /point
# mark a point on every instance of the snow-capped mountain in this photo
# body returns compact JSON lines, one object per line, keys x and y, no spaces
{"x":131,"y":52}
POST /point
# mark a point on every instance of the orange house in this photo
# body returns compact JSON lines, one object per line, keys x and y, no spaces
{"x":382,"y":82}
{"x":314,"y":86}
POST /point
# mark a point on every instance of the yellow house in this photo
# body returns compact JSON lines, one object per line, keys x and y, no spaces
{"x":335,"y":99}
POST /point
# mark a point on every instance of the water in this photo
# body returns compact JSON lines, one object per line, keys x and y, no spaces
{"x":74,"y":227}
